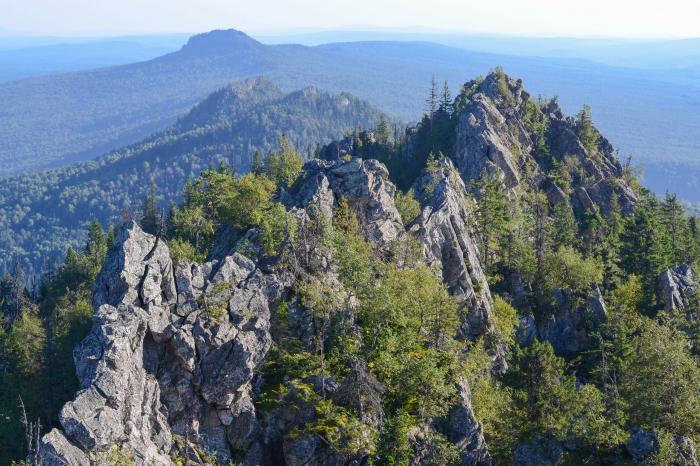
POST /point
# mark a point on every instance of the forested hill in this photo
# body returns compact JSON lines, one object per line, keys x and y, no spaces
{"x":492,"y":287}
{"x":57,"y":120}
{"x":42,"y":214}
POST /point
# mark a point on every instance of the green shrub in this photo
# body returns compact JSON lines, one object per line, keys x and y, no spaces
{"x":407,"y":205}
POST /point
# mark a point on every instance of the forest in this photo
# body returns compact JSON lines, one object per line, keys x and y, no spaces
{"x":584,"y":361}
{"x":41,"y":214}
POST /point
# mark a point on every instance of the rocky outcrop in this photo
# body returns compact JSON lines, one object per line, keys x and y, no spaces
{"x":171,"y":367}
{"x":168,"y":367}
{"x":568,"y":328}
{"x":366,"y":187}
{"x":444,"y":230}
{"x":644,"y":445}
{"x":494,"y":137}
{"x":678,"y":287}
{"x":539,"y":452}
{"x":462,"y":429}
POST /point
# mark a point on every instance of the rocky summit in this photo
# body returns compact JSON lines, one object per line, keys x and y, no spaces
{"x":491,"y":286}
{"x":171,"y":367}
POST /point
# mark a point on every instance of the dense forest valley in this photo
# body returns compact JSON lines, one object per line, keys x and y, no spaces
{"x":41,"y":214}
{"x":490,"y":286}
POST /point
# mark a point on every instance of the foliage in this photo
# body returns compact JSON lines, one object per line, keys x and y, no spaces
{"x":587,"y":133}
{"x":41,"y":214}
{"x":567,"y":268}
{"x":407,"y":205}
{"x":284,"y":165}
{"x":506,"y":319}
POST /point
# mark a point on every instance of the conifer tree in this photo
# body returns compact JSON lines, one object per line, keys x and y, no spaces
{"x":588,"y":134}
{"x":149,"y":211}
{"x":446,"y":99}
{"x":432,"y":101}
{"x":674,"y":220}
{"x":383,"y":133}
{"x":258,"y":165}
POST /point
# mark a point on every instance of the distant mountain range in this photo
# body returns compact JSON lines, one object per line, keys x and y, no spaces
{"x":647,"y":54}
{"x":57,"y":120}
{"x":42,"y":214}
{"x":29,"y":57}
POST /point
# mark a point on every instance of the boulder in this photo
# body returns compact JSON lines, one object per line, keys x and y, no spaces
{"x":539,"y":452}
{"x":678,"y":287}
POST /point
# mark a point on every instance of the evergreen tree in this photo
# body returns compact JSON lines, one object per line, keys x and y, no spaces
{"x":284,"y":165}
{"x":150,"y":219}
{"x":383,"y":133}
{"x":432,"y":100}
{"x":258,"y":165}
{"x":674,"y":220}
{"x":492,"y":217}
{"x":564,"y":229}
{"x":446,"y":99}
{"x":587,"y":133}
{"x":643,"y":248}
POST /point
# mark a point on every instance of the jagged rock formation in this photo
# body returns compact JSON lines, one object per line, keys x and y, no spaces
{"x":171,"y":357}
{"x":444,"y":228}
{"x":466,"y":432}
{"x":678,"y":287}
{"x":366,"y":187}
{"x":171,"y":366}
{"x":492,"y":136}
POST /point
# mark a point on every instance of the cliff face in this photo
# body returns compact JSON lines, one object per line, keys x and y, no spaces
{"x":172,"y":355}
{"x":445,"y":230}
{"x":495,"y":135}
{"x":171,"y":367}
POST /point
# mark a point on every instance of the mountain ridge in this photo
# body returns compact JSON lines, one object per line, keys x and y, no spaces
{"x":90,"y":121}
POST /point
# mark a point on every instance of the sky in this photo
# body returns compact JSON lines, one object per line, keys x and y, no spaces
{"x":572,"y":18}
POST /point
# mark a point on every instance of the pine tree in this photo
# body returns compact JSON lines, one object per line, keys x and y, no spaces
{"x":492,"y":217}
{"x":383,"y":133}
{"x":564,"y":229}
{"x":432,"y":101}
{"x":149,"y":212}
{"x":644,"y":248}
{"x":587,"y":133}
{"x":674,"y":220}
{"x":258,"y":165}
{"x":446,"y":99}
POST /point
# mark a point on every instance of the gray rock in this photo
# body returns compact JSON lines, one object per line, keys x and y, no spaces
{"x":526,"y":332}
{"x":56,"y":450}
{"x":538,"y":452}
{"x":163,"y":360}
{"x":678,"y":287}
{"x":364,"y":184}
{"x":568,"y":328}
{"x":686,"y":451}
{"x":642,"y":443}
{"x":492,"y":138}
{"x":444,"y":228}
{"x":466,"y":432}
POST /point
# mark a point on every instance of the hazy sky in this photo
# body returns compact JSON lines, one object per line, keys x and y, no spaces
{"x":630,"y":18}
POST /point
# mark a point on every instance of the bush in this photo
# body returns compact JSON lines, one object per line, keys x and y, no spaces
{"x":284,"y":165}
{"x":566,"y":268}
{"x":408,"y":206}
{"x":182,"y":250}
